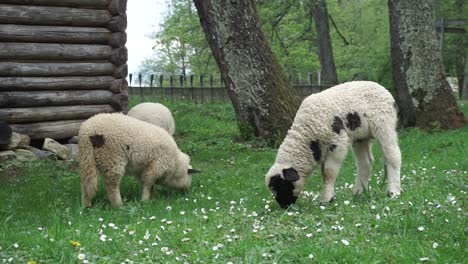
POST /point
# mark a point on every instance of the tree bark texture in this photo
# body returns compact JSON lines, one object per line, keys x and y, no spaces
{"x":318,"y":9}
{"x":52,"y":113}
{"x":61,"y":61}
{"x":461,"y":48}
{"x":14,"y":51}
{"x":55,"y":98}
{"x":42,"y":69}
{"x":425,"y":98}
{"x":91,"y":4}
{"x":63,"y":35}
{"x":51,"y":129}
{"x":115,"y":7}
{"x":465,"y":80}
{"x":264,"y":102}
{"x":63,"y":83}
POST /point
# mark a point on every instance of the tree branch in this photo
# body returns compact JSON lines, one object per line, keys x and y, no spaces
{"x":338,"y":31}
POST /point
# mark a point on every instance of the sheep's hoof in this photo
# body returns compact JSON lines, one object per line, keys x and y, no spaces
{"x":331,"y":200}
{"x":393,"y":195}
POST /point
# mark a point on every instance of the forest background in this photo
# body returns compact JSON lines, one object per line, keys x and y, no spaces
{"x":359,"y":30}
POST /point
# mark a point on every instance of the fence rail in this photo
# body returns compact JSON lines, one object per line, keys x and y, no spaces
{"x":198,"y":89}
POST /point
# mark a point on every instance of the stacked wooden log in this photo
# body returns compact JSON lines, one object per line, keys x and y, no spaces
{"x":61,"y":61}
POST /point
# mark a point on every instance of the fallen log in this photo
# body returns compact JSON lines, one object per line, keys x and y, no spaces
{"x":58,"y":34}
{"x":52,"y":113}
{"x":61,"y":83}
{"x":35,"y":69}
{"x":55,"y":98}
{"x":52,"y":129}
{"x":52,"y":15}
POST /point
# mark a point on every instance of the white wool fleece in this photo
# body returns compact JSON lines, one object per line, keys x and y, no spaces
{"x":154,"y":113}
{"x":110,"y":143}
{"x":326,"y":123}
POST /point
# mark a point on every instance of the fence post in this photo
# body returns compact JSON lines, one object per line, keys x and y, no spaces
{"x":200,"y":82}
{"x":181,"y":85}
{"x":151,"y":83}
{"x":130,"y":82}
{"x":161,"y":79}
{"x":141,"y":88}
{"x":309,"y":82}
{"x":211,"y":87}
{"x":319,"y":77}
{"x":223,"y":88}
{"x":171,"y":80}
{"x":191,"y":86}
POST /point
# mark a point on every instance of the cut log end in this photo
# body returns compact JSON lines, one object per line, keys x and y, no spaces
{"x":119,"y":56}
{"x":119,"y":86}
{"x":5,"y":133}
{"x":118,"y":39}
{"x":118,"y":23}
{"x":120,"y":102}
{"x":121,"y":72}
{"x":117,"y":7}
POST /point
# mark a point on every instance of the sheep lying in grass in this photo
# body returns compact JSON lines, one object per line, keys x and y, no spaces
{"x":110,"y":143}
{"x":154,"y":113}
{"x":325,"y":125}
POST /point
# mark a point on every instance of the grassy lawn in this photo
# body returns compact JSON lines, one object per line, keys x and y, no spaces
{"x":230,"y":216}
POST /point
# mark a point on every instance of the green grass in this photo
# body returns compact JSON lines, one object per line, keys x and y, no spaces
{"x":230,"y":216}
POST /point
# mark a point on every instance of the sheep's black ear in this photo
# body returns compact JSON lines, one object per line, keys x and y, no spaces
{"x":192,"y":171}
{"x":290,"y":175}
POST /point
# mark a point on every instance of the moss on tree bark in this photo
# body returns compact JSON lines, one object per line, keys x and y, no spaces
{"x":264,"y":101}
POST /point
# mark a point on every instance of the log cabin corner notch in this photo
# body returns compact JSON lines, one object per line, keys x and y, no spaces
{"x":61,"y":61}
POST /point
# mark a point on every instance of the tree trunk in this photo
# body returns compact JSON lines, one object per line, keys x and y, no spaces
{"x":318,"y":9}
{"x":263,"y":99}
{"x":425,"y":98}
{"x":465,"y":80}
{"x":460,"y":50}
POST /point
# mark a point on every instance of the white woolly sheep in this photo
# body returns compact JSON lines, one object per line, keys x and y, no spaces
{"x":154,"y":113}
{"x":111,"y":143}
{"x":325,"y":125}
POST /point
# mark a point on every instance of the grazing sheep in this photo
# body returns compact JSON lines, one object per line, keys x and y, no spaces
{"x":110,"y":143}
{"x":325,"y":125}
{"x":154,"y":113}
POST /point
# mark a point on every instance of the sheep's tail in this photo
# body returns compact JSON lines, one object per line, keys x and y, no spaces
{"x":89,"y":172}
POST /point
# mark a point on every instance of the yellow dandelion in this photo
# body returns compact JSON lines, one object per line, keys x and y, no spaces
{"x":75,"y":243}
{"x":32,"y":262}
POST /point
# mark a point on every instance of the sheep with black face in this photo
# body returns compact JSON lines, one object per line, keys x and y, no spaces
{"x":325,"y":125}
{"x":113,"y":143}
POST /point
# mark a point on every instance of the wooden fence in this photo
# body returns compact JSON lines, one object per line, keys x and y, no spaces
{"x":198,"y":90}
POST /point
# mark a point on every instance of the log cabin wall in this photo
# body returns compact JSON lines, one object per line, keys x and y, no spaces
{"x":61,"y":61}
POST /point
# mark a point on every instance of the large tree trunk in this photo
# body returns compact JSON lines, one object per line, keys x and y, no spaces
{"x":424,"y":97}
{"x":465,"y":80}
{"x":318,"y":9}
{"x":460,"y":50}
{"x":264,"y":101}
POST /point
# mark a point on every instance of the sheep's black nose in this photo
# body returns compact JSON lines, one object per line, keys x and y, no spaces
{"x":285,"y":202}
